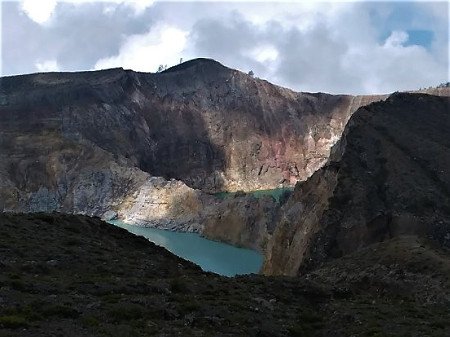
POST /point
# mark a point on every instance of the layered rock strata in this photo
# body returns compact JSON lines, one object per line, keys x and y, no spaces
{"x":209,"y":126}
{"x":148,"y":148}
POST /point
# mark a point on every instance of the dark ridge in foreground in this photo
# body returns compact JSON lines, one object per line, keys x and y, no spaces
{"x":63,"y":275}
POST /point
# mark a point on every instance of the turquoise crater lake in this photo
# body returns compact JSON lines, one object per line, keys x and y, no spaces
{"x":212,"y":256}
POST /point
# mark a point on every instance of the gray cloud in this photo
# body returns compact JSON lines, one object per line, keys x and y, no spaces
{"x":77,"y":37}
{"x":345,"y":48}
{"x":89,"y":37}
{"x":229,"y":41}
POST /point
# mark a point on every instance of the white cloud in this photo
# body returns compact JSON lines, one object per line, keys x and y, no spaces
{"x":392,"y":66}
{"x":265,"y":54}
{"x":309,"y":46}
{"x":139,"y":6}
{"x":48,"y":65}
{"x":396,"y":39}
{"x":38,"y":11}
{"x":161,"y":45}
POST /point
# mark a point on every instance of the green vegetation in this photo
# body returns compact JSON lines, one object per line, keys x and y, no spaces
{"x":13,"y":322}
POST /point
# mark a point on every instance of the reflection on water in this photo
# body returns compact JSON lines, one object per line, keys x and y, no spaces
{"x":210,"y":255}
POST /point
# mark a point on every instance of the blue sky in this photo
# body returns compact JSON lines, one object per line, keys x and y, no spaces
{"x":337,"y":47}
{"x":420,"y":37}
{"x":405,"y":16}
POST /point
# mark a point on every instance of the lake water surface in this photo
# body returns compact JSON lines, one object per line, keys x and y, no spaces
{"x":213,"y":256}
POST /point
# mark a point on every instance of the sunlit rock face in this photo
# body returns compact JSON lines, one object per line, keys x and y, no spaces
{"x":165,"y":204}
{"x":388,"y":176}
{"x":212,"y":127}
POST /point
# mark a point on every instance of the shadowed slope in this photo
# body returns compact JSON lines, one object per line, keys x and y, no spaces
{"x":78,"y":276}
{"x":388,"y":176}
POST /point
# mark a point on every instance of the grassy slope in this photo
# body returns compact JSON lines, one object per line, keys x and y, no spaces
{"x":77,"y":276}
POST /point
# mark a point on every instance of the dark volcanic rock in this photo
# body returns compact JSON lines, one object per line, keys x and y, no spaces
{"x":388,"y":176}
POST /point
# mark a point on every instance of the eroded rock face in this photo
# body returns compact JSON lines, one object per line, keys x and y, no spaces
{"x":209,"y":126}
{"x":298,"y":224}
{"x":242,"y":220}
{"x":165,"y":204}
{"x":388,"y":176}
{"x":93,"y":142}
{"x":43,"y":172}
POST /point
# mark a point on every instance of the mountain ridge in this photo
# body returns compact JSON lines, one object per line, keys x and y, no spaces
{"x":95,"y":142}
{"x":214,"y":131}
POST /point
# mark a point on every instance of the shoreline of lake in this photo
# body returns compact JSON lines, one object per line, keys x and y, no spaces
{"x":212,"y":256}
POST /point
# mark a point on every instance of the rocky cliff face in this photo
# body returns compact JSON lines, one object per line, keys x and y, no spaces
{"x":167,"y":205}
{"x":93,"y":142}
{"x":242,"y":220}
{"x":387,"y":177}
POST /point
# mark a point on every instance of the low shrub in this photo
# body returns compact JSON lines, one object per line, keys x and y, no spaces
{"x":13,"y":322}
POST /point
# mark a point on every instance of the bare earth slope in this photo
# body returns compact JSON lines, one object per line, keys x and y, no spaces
{"x":388,"y":176}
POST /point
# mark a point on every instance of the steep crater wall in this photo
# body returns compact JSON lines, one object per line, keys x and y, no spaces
{"x":387,"y":177}
{"x":214,"y":128}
